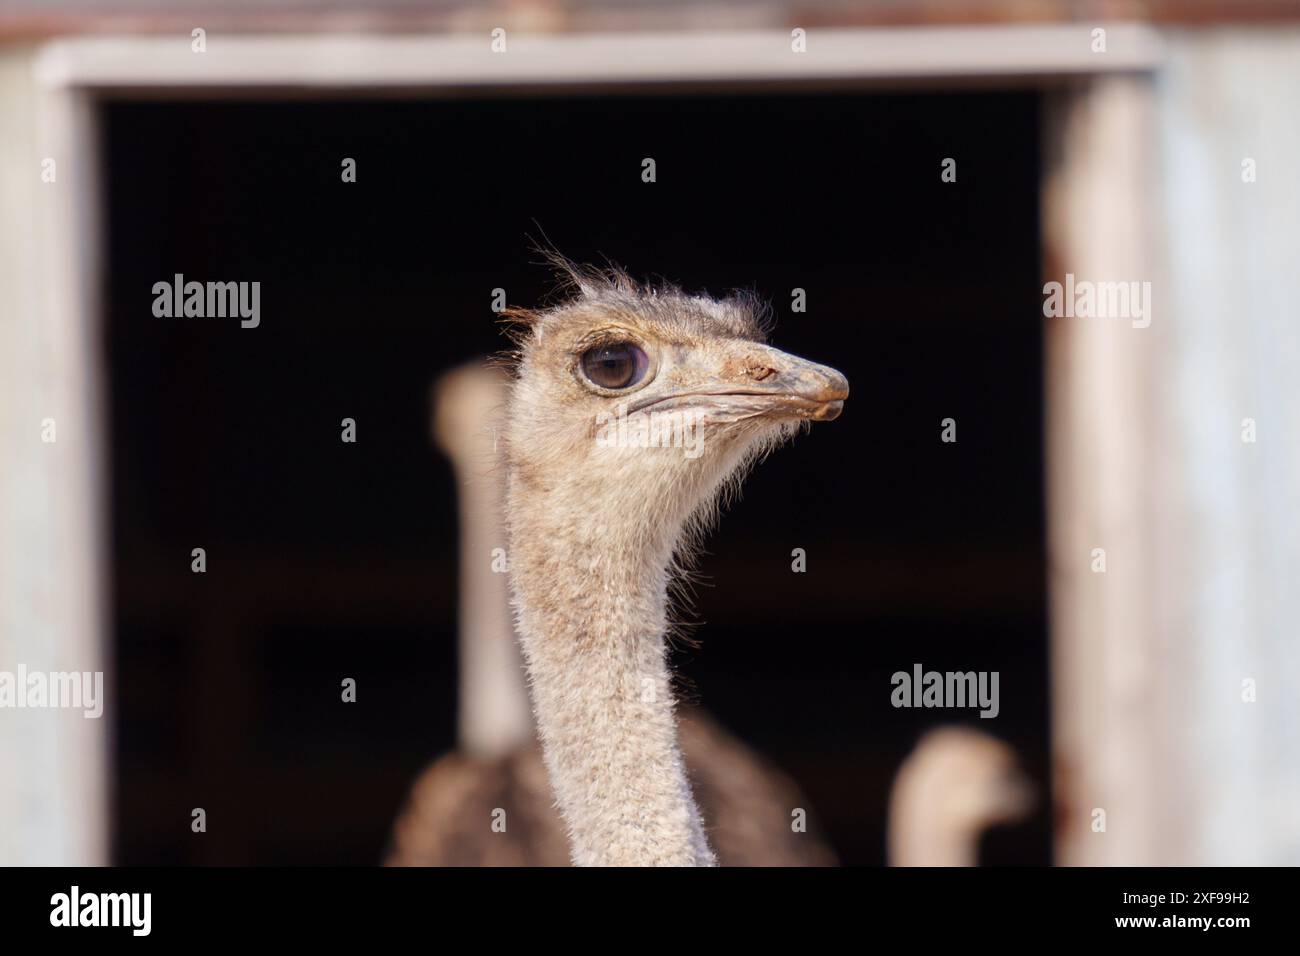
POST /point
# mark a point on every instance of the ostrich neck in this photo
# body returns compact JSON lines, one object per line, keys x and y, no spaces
{"x":591,"y":605}
{"x":493,"y":718}
{"x":926,"y":846}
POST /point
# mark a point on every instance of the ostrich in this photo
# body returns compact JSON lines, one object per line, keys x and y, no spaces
{"x":494,"y":717}
{"x":956,"y":784}
{"x":601,"y":522}
{"x":497,"y":766}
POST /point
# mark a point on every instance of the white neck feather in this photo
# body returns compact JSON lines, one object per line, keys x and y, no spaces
{"x":591,"y":613}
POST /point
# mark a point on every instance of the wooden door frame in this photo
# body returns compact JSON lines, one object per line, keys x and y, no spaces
{"x":60,"y":369}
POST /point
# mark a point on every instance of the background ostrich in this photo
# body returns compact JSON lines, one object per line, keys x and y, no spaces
{"x":598,"y":528}
{"x":747,"y":804}
{"x":954,"y":786}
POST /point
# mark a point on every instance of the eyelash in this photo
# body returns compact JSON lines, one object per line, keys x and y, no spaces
{"x":603,"y":338}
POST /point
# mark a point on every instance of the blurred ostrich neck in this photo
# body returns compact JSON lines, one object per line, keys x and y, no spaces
{"x":923,"y":841}
{"x":591,"y":598}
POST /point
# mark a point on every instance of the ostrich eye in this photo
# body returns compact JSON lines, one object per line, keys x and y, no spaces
{"x":617,"y":365}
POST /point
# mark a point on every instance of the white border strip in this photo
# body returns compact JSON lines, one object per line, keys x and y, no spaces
{"x":468,"y":61}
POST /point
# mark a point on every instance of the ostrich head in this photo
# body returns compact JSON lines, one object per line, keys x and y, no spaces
{"x":636,"y":404}
{"x":631,"y":409}
{"x":954,"y":786}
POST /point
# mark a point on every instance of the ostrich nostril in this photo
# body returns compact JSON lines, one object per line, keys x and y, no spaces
{"x":759,"y":372}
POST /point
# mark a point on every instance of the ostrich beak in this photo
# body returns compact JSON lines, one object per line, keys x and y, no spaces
{"x":795,"y":387}
{"x":760,"y":379}
{"x":1018,"y":796}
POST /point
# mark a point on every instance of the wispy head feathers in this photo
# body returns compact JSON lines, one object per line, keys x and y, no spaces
{"x":610,"y":292}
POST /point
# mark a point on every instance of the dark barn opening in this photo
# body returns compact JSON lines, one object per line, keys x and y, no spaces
{"x":328,"y":560}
